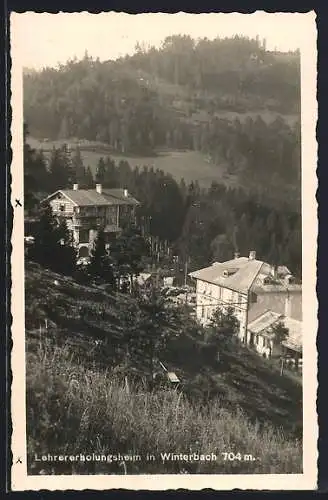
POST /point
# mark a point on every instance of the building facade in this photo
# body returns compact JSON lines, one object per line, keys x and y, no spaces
{"x":261,"y":335}
{"x":86,"y":211}
{"x":250,"y":287}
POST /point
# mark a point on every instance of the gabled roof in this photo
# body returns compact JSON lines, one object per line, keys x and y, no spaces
{"x":90,"y":197}
{"x":118,"y":197}
{"x":243,"y":274}
{"x":264,"y":321}
{"x":86,"y":197}
{"x":246,"y":270}
{"x":294,"y":339}
{"x":268,"y":319}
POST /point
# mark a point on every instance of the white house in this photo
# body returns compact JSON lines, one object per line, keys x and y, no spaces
{"x":88,"y":210}
{"x":250,"y":287}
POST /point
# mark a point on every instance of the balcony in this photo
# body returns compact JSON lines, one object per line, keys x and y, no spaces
{"x":88,"y":222}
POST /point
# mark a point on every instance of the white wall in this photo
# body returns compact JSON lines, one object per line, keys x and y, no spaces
{"x":263,"y":345}
{"x":55,"y":204}
{"x":210,"y":296}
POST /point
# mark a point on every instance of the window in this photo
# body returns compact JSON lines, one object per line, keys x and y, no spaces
{"x":240,"y":299}
{"x":110,"y":237}
{"x":62,"y":207}
{"x":203,"y":311}
{"x":84,"y":236}
{"x":111,"y":219}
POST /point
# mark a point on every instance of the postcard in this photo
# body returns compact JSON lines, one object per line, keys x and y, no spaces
{"x":164,"y":251}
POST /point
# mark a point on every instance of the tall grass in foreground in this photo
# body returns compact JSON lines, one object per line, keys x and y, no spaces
{"x":73,"y":410}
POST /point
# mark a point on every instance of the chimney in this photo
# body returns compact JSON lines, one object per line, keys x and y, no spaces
{"x":99,"y":188}
{"x":237,"y":255}
{"x":273,"y":271}
{"x":252,"y":255}
{"x":75,"y":187}
{"x":125,"y":193}
{"x":289,"y":278}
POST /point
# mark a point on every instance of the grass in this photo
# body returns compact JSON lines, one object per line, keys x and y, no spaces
{"x":190,"y":165}
{"x":73,"y":410}
{"x":76,"y":402}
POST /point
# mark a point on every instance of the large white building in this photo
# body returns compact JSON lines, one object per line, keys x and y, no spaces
{"x":250,"y":287}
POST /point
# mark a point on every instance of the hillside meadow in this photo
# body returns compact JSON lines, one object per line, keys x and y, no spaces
{"x":78,"y":399}
{"x":72,"y":409}
{"x":189,"y":165}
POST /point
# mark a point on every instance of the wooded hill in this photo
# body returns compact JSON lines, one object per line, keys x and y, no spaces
{"x":228,"y":98}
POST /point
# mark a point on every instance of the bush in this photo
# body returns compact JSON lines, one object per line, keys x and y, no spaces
{"x":72,"y":409}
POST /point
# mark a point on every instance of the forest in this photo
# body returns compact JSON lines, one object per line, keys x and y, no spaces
{"x":201,"y":225}
{"x":177,"y":97}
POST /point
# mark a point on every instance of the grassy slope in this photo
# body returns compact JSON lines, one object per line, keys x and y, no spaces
{"x":75,"y":404}
{"x":74,"y":410}
{"x":190,"y":165}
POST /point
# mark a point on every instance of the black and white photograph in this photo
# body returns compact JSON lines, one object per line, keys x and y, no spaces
{"x":164,"y":250}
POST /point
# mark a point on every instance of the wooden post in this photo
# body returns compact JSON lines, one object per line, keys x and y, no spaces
{"x":282,"y":365}
{"x":186,"y":272}
{"x":246,"y":318}
{"x":40,"y":337}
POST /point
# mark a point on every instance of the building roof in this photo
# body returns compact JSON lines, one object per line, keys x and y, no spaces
{"x":295,"y":335}
{"x":91,"y":197}
{"x":142,"y":278}
{"x":263,"y":323}
{"x":118,"y":197}
{"x":277,"y":287}
{"x":172,"y":377}
{"x":86,"y":197}
{"x":243,"y":273}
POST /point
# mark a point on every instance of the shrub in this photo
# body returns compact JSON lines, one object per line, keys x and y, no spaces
{"x":72,"y":409}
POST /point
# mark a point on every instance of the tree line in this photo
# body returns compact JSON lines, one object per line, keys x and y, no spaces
{"x":131,"y":104}
{"x":200,"y":225}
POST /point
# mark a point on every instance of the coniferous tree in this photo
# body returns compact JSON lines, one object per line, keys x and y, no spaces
{"x":101,"y":171}
{"x":101,"y":264}
{"x":67,"y":254}
{"x":78,"y":170}
{"x":156,"y":324}
{"x":59,"y":170}
{"x":89,"y":182}
{"x":46,"y":237}
{"x":36,"y":175}
{"x":280,"y":333}
{"x":111,"y":174}
{"x":128,"y":252}
{"x":223,"y":327}
{"x":53,"y":246}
